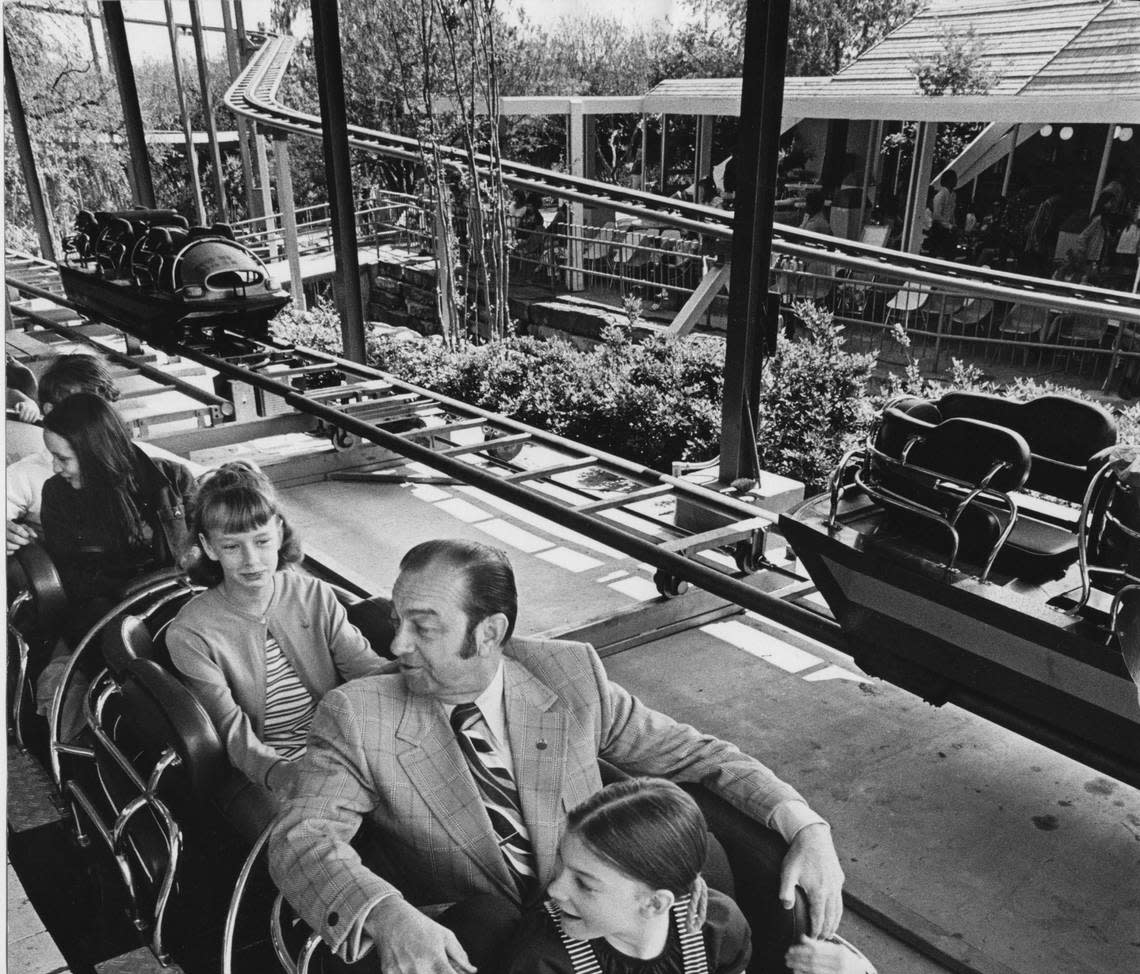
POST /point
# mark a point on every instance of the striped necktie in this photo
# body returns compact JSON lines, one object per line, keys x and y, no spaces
{"x":499,"y":793}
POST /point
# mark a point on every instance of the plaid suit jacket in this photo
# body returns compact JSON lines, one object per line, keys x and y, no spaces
{"x":381,"y":755}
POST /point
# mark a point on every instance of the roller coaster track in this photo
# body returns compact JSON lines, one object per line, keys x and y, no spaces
{"x":253,"y":95}
{"x":621,"y":504}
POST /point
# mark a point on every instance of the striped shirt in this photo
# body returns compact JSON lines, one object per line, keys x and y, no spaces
{"x":289,"y":708}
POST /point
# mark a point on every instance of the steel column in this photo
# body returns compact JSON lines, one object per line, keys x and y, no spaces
{"x":918,"y":185}
{"x":142,"y":186}
{"x":233,"y":59}
{"x":289,"y":218}
{"x":330,"y":84}
{"x":187,"y":127}
{"x":222,"y":207}
{"x":751,"y":309}
{"x":40,"y":215}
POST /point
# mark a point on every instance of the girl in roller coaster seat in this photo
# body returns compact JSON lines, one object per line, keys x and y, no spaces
{"x":629,"y":897}
{"x":263,"y":644}
{"x":110,"y":513}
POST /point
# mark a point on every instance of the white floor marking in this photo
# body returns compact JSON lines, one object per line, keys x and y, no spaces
{"x":458,"y":507}
{"x":538,"y":521}
{"x":637,"y":588}
{"x":572,"y":561}
{"x":762,"y":646}
{"x":834,"y":672}
{"x":612,"y":575}
{"x":429,"y":493}
{"x":513,"y":535}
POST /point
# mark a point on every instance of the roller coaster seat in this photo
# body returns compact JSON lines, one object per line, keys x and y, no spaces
{"x":36,"y":602}
{"x":746,"y":865}
{"x":157,"y":762}
{"x":1063,"y":437}
{"x":373,"y":617}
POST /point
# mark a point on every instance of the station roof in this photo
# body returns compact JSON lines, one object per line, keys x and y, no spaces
{"x":1055,"y":61}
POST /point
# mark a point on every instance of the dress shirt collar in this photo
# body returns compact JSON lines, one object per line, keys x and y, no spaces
{"x":490,"y":704}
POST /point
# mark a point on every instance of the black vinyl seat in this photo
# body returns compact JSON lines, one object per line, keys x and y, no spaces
{"x":36,"y":603}
{"x":158,"y":761}
{"x":1064,"y":437}
{"x":946,"y":485}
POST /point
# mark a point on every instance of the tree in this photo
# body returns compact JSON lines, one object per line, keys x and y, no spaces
{"x":74,"y":123}
{"x":959,"y":66}
{"x":823,"y":35}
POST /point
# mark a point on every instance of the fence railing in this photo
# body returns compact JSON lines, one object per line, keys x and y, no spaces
{"x":663,"y":265}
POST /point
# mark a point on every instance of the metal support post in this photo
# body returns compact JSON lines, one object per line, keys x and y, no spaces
{"x":664,"y":123}
{"x":1014,"y":135}
{"x":233,"y":59}
{"x":289,"y":218}
{"x":142,"y":187}
{"x":752,"y":311}
{"x":330,"y":85}
{"x":90,"y":19}
{"x":187,"y":127}
{"x":264,"y":193}
{"x":40,"y":215}
{"x":575,"y":280}
{"x":222,"y":207}
{"x":1103,"y":170}
{"x":921,"y":164}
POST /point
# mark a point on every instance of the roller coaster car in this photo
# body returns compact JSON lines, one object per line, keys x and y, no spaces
{"x":987,"y":553}
{"x":150,"y":270}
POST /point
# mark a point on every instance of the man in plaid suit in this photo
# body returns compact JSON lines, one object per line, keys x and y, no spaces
{"x":383,"y":752}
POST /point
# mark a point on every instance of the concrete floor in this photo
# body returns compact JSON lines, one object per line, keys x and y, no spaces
{"x":1002,"y":854}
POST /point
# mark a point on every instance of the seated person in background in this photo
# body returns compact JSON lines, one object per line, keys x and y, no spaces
{"x":943,"y":239}
{"x":21,"y":435}
{"x":463,"y":763}
{"x":110,"y":513}
{"x":263,"y":645}
{"x":66,"y":375}
{"x":628,"y":888}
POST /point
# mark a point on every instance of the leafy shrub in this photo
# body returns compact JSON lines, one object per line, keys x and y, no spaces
{"x":657,"y":401}
{"x":814,"y":404}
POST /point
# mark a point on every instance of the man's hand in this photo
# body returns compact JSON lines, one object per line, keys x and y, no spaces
{"x":282,"y":778}
{"x":407,"y":942}
{"x":811,"y":864}
{"x":17,"y":535}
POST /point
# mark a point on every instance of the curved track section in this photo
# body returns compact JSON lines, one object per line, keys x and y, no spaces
{"x":254,"y":96}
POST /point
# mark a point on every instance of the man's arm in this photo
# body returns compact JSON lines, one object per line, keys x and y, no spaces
{"x":311,"y":857}
{"x":643,"y":741}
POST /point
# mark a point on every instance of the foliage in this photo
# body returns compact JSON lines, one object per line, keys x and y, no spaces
{"x":960,"y":65}
{"x":814,"y":404}
{"x":823,"y":36}
{"x":74,"y":123}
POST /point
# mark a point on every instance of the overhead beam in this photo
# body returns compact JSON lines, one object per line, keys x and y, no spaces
{"x":142,"y":186}
{"x":40,"y":215}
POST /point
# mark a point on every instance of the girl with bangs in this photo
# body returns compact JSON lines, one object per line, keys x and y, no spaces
{"x":629,"y":897}
{"x":264,"y":643}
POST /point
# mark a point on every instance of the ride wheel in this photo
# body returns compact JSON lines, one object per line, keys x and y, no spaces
{"x":670,"y":586}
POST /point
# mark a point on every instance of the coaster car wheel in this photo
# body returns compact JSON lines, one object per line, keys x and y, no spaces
{"x":670,"y":586}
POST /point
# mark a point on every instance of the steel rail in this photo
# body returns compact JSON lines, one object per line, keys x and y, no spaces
{"x":531,"y":499}
{"x":219,"y":405}
{"x":669,"y":555}
{"x":254,"y":95}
